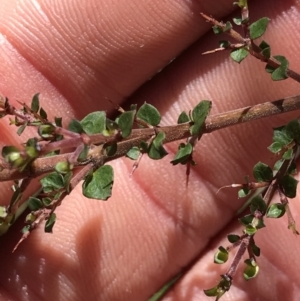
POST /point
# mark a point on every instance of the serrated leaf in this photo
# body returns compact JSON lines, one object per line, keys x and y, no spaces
{"x":125,"y":123}
{"x":35,"y":103}
{"x":52,"y":182}
{"x":289,"y":186}
{"x":262,"y":172}
{"x":199,"y":115}
{"x":99,"y":185}
{"x":239,"y":55}
{"x":149,"y":114}
{"x":251,"y":270}
{"x":35,"y":204}
{"x":156,"y":149}
{"x":221,"y":256}
{"x":276,"y":210}
{"x":232,"y":238}
{"x":94,"y":123}
{"x":75,"y":126}
{"x":183,"y":153}
{"x":50,"y":223}
{"x":133,"y":153}
{"x":183,"y":118}
{"x":258,"y":28}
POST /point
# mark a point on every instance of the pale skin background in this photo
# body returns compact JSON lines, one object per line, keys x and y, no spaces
{"x":76,"y":53}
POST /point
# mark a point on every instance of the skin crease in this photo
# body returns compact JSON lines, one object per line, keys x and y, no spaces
{"x":76,"y":53}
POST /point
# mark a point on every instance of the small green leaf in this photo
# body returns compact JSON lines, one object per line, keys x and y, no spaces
{"x":125,"y":122}
{"x":212,"y":292}
{"x":237,"y":21}
{"x":262,"y":172}
{"x":156,"y":150}
{"x":217,"y":29}
{"x":99,"y":184}
{"x":75,"y":126}
{"x":183,"y":118}
{"x":241,"y":4}
{"x":94,"y":123}
{"x":232,"y":238}
{"x":258,"y":28}
{"x":58,"y":121}
{"x":63,"y":167}
{"x":30,"y":218}
{"x":227,"y":27}
{"x":289,"y":186}
{"x":258,"y":203}
{"x":224,"y":44}
{"x":251,"y":269}
{"x":279,"y":73}
{"x":46,"y":201}
{"x":275,"y":147}
{"x":220,"y":289}
{"x":293,"y":130}
{"x":111,"y":149}
{"x":35,"y":204}
{"x":221,"y":256}
{"x":133,"y":153}
{"x":184,"y":152}
{"x":52,"y":182}
{"x":22,"y":128}
{"x":250,"y":230}
{"x":50,"y":223}
{"x":276,"y":210}
{"x":242,"y":193}
{"x":255,"y":250}
{"x":199,"y":114}
{"x":246,"y":220}
{"x":43,"y":113}
{"x":239,"y":55}
{"x":35,"y":103}
{"x":265,"y":49}
{"x":288,"y":154}
{"x":149,"y":114}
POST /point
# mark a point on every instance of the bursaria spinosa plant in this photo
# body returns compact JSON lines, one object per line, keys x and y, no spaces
{"x":62,"y":156}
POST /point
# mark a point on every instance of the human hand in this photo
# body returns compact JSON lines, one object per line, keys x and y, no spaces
{"x":78,"y":53}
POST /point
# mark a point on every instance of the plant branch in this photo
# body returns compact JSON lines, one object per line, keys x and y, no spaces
{"x":97,"y":153}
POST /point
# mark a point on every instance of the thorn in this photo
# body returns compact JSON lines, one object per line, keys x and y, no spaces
{"x":188,"y":170}
{"x":214,"y":50}
{"x":25,"y":235}
{"x":136,"y":164}
{"x":230,"y":186}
